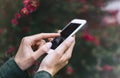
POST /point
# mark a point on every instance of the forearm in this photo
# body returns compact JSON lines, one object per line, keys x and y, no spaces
{"x":11,"y":70}
{"x":42,"y":74}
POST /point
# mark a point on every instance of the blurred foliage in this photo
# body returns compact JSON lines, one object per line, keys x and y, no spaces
{"x":97,"y":50}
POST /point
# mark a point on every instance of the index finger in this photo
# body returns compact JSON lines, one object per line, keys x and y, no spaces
{"x":35,"y":38}
{"x":44,"y":36}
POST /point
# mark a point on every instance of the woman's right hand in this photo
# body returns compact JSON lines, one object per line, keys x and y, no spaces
{"x":56,"y":60}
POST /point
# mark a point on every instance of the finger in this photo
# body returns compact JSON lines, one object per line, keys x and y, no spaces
{"x":50,"y":39}
{"x":45,"y":35}
{"x":38,"y":37}
{"x":67,"y":55}
{"x":62,"y":64}
{"x":31,"y":40}
{"x":38,"y":45}
{"x":41,"y":43}
{"x":65,"y":45}
{"x":45,"y":48}
{"x":59,"y":31}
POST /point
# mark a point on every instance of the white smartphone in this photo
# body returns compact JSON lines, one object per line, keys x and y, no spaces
{"x":69,"y":30}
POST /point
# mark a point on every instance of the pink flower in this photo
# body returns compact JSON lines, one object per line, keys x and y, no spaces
{"x":14,"y":21}
{"x":70,"y":70}
{"x":17,"y":16}
{"x":26,"y":2}
{"x":107,"y":68}
{"x":24,"y":11}
{"x":87,"y":36}
{"x":110,"y":21}
{"x":31,"y":8}
{"x":35,"y":3}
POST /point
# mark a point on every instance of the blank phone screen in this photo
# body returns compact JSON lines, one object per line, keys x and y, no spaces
{"x":67,"y":31}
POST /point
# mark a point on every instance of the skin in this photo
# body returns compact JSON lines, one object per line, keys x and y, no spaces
{"x":56,"y":60}
{"x":26,"y":55}
{"x":32,"y":47}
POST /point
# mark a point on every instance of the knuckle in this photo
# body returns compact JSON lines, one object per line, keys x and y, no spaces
{"x":33,"y":58}
{"x":66,"y":62}
{"x":69,"y":57}
{"x":58,"y":54}
{"x":67,"y":44}
{"x":44,"y":49}
{"x":62,"y":60}
{"x":25,"y":39}
{"x":42,"y":34}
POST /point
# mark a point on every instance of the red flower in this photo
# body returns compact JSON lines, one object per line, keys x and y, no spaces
{"x":31,"y":8}
{"x":107,"y":68}
{"x":10,"y":50}
{"x":87,"y":36}
{"x":35,"y":3}
{"x":26,"y":2}
{"x":17,"y":16}
{"x":24,"y":11}
{"x":70,"y":70}
{"x":14,"y":21}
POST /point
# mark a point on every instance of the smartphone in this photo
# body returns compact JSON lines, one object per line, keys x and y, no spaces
{"x":69,"y":30}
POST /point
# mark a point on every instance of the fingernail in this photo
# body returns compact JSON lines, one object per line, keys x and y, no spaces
{"x":70,"y":39}
{"x":49,"y":44}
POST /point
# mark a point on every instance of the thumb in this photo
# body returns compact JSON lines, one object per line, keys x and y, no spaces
{"x":45,"y":48}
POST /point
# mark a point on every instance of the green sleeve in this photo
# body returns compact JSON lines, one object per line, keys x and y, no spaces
{"x":11,"y":70}
{"x":42,"y":74}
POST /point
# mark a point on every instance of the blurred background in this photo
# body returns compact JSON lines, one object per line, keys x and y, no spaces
{"x":97,"y":50}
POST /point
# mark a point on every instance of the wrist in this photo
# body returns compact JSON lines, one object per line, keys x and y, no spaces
{"x":19,"y":64}
{"x":47,"y":70}
{"x":43,"y":73}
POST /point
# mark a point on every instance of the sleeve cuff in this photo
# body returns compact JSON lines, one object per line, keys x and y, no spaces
{"x":11,"y":70}
{"x":42,"y":74}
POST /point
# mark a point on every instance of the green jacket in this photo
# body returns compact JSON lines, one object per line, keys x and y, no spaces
{"x":11,"y":70}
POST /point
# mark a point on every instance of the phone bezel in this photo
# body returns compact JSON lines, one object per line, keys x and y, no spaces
{"x":76,"y":21}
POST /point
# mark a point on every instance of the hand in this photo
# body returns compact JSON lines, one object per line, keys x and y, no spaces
{"x":56,"y":60}
{"x":26,"y":55}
